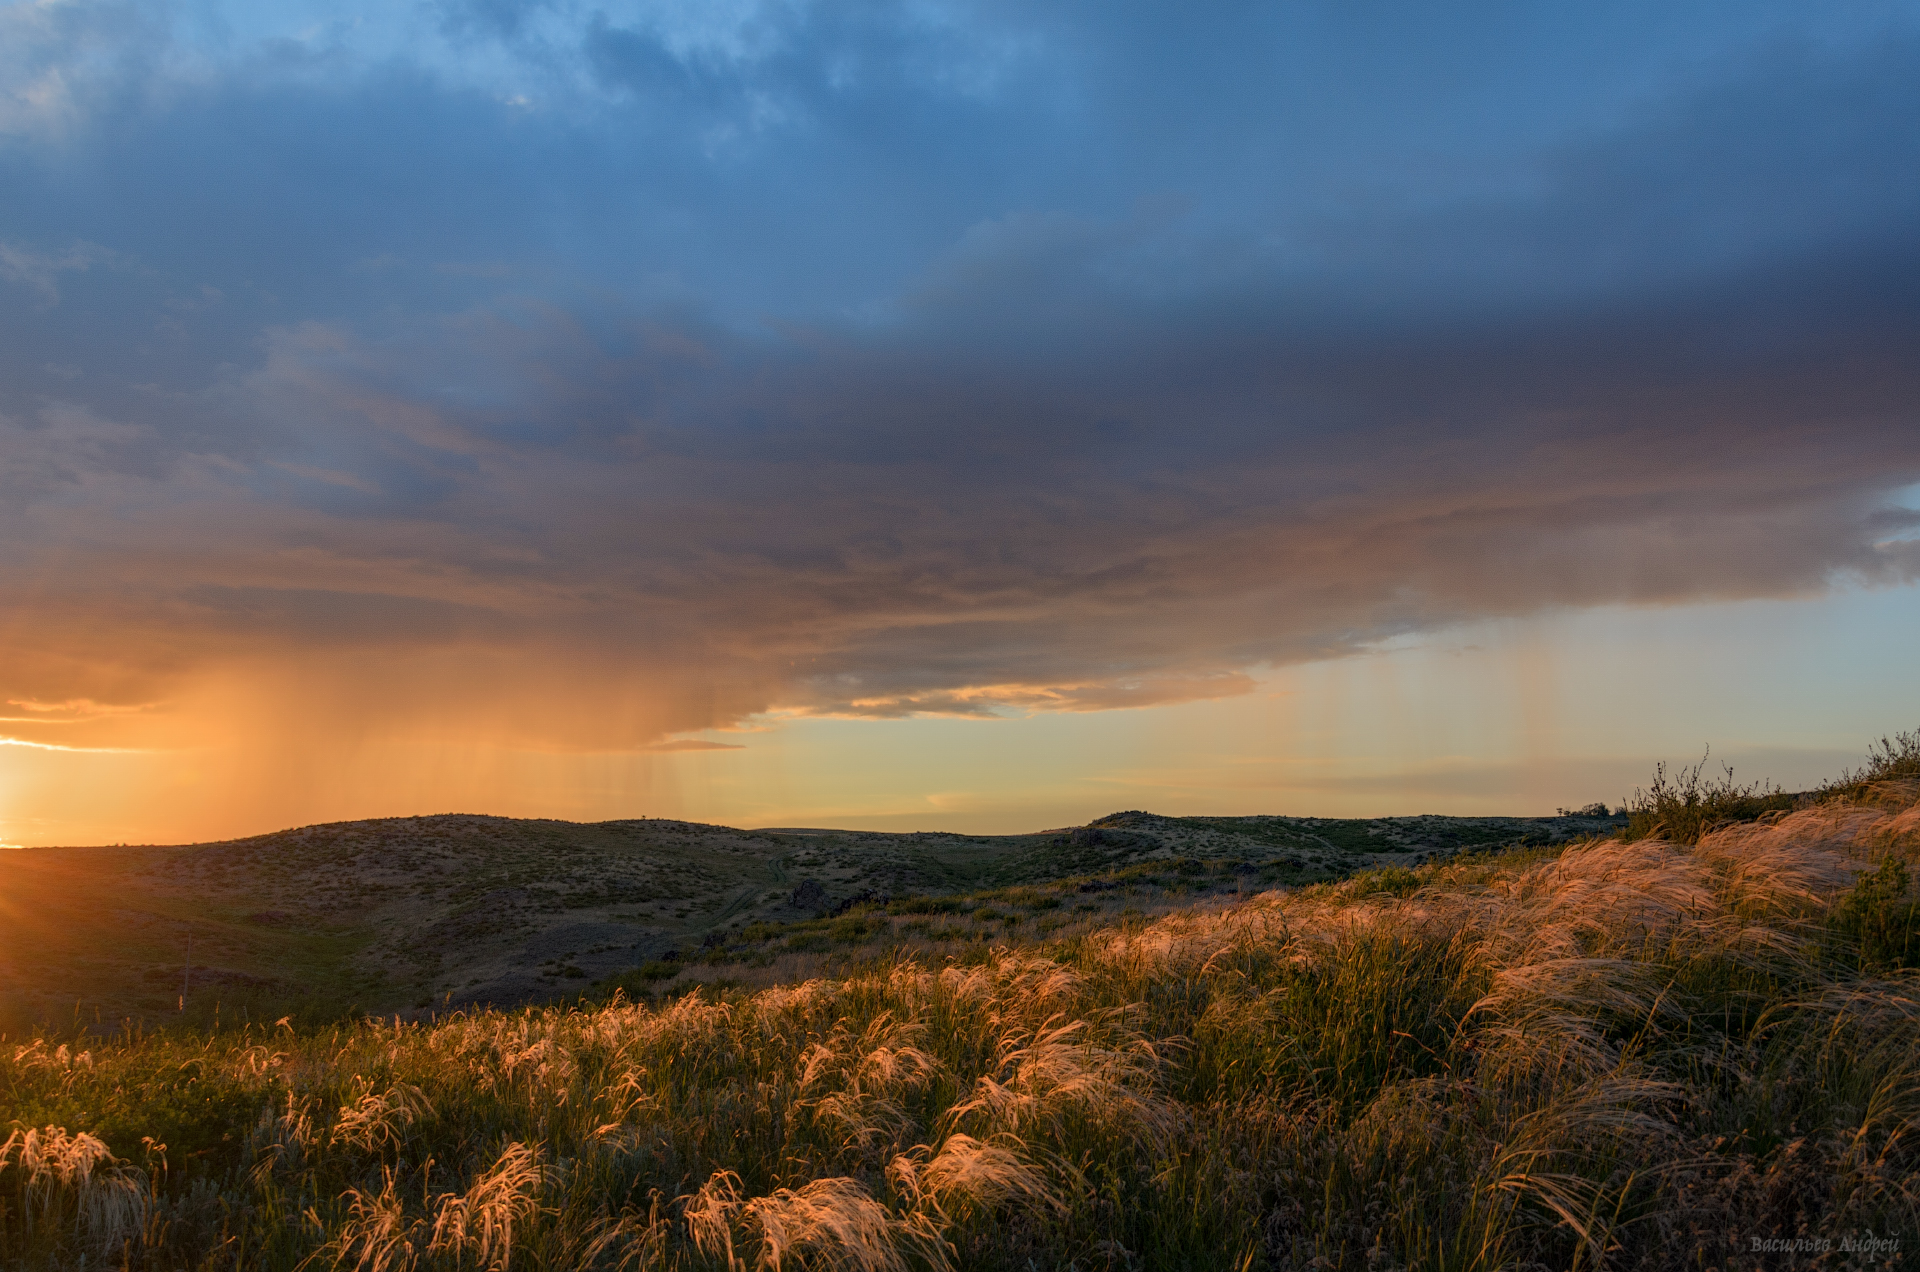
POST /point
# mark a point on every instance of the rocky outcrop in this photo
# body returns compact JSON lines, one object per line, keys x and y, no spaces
{"x":810,"y":896}
{"x":866,"y":896}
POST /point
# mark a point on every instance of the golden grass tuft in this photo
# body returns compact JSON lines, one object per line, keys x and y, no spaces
{"x":75,"y":1181}
{"x":481,"y":1221}
{"x":380,"y":1120}
{"x":1592,"y":1057}
{"x":827,"y":1223}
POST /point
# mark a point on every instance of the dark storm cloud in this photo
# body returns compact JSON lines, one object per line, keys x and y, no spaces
{"x":873,"y":361}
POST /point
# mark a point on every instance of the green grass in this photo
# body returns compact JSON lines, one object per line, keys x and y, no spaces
{"x":1632,"y":1053}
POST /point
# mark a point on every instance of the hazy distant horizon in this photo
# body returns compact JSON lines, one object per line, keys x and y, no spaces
{"x":959,"y":416}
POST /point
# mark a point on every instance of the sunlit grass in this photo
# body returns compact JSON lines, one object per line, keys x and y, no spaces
{"x":1617,"y":1053}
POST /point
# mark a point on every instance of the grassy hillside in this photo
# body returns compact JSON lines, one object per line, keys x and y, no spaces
{"x":1605,"y":1052}
{"x":409,"y":914}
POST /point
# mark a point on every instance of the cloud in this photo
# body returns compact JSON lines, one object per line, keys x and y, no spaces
{"x":55,"y":746}
{"x":715,"y":527}
{"x":41,"y":270}
{"x":833,"y":363}
{"x":843,"y":697}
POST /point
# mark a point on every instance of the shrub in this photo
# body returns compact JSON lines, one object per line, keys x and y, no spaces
{"x":1894,"y":759}
{"x":1395,"y":881}
{"x":1682,"y":806}
{"x":1878,"y":921}
{"x":854,"y":929}
{"x":925,"y":905}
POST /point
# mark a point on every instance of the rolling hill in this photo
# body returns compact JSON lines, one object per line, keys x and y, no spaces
{"x":402,"y":914}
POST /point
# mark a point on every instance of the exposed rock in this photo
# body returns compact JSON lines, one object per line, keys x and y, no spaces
{"x":866,"y":896}
{"x":810,"y":896}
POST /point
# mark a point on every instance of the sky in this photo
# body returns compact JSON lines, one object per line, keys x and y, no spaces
{"x":970,"y":416}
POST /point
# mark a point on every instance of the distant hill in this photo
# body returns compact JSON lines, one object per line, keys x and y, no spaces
{"x":396,"y":914}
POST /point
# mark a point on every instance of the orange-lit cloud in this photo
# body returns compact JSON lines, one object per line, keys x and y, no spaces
{"x":446,"y":447}
{"x":654,"y":578}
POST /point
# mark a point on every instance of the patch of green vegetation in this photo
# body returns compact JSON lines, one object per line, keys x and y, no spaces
{"x":640,"y":981}
{"x":1396,"y":881}
{"x":1681,"y":806}
{"x":1877,"y":923}
{"x":925,"y":905}
{"x":1277,"y":1084}
{"x":1894,"y":759}
{"x":855,"y":929}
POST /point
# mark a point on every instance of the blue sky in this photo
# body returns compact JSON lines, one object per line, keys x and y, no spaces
{"x":574,"y":381}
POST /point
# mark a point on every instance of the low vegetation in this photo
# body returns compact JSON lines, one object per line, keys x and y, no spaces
{"x":401,"y":914}
{"x":1631,"y":1051}
{"x":1681,"y":805}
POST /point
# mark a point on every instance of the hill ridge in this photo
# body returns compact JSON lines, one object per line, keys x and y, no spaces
{"x":390,"y":913}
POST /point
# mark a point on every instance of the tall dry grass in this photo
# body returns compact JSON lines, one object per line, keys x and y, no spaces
{"x":1641,"y":1054}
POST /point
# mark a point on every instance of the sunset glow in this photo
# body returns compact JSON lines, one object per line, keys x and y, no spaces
{"x":955,"y":417}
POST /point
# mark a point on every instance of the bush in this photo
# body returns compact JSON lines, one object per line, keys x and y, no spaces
{"x":1894,"y":759}
{"x":854,"y":929}
{"x":1392,"y":881}
{"x":925,"y":905}
{"x":1682,"y":806}
{"x":1878,"y":922}
{"x":638,"y":982}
